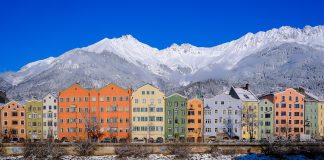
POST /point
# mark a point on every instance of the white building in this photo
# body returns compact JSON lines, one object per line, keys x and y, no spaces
{"x":222,"y":117}
{"x":50,"y":117}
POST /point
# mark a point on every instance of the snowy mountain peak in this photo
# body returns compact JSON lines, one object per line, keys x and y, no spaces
{"x":40,"y":63}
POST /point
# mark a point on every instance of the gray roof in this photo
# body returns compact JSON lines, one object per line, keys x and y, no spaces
{"x":309,"y":94}
{"x":245,"y":95}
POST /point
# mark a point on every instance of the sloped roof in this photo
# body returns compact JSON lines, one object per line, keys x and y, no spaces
{"x":177,"y":94}
{"x":245,"y":95}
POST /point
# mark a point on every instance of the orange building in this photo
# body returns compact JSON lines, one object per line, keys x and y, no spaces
{"x":115,"y":112}
{"x":13,"y":126}
{"x":94,"y":114}
{"x":195,"y":120}
{"x":288,"y":113}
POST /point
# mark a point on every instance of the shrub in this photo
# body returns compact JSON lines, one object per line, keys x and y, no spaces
{"x":85,"y":148}
{"x":136,"y":151}
{"x":180,"y":151}
{"x":43,"y":150}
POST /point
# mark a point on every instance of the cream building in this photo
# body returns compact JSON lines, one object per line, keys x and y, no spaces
{"x":250,"y":121}
{"x":320,"y":113}
{"x":148,"y":104}
{"x":50,"y":117}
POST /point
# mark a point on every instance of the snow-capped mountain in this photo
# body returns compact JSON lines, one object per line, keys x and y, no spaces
{"x":127,"y":61}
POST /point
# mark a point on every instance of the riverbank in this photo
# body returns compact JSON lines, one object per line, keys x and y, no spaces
{"x":191,"y":157}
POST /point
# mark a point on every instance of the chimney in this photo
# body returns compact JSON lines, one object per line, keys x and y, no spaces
{"x":246,"y":86}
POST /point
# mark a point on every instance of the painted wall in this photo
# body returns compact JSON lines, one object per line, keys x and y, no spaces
{"x":143,"y":99}
{"x":115,"y":112}
{"x":195,"y":116}
{"x":222,"y":117}
{"x":311,"y":118}
{"x":289,"y":114}
{"x":50,"y":117}
{"x":13,"y":123}
{"x":74,"y":110}
{"x":320,"y":111}
{"x":250,"y":125}
{"x":266,"y":119}
{"x":34,"y":120}
{"x":175,"y":118}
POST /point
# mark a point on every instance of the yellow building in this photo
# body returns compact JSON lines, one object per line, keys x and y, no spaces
{"x":320,"y":112}
{"x":250,"y":122}
{"x":148,"y":104}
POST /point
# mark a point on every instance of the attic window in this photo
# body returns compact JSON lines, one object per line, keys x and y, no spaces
{"x":246,"y":96}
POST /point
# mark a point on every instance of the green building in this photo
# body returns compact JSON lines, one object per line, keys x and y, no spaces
{"x":175,"y":118}
{"x":266,"y":118}
{"x":34,"y":120}
{"x":311,"y":113}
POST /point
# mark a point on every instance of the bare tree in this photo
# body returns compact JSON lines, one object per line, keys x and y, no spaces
{"x":92,"y":126}
{"x":250,"y":121}
{"x":229,"y":126}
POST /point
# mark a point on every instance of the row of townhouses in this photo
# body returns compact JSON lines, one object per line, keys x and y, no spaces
{"x":121,"y":115}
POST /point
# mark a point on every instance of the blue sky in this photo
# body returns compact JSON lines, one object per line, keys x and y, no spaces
{"x":33,"y":30}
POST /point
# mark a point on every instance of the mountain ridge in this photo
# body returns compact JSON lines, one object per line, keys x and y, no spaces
{"x":177,"y":65}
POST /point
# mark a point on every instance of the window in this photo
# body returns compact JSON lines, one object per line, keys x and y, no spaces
{"x":208,"y":129}
{"x":120,"y":98}
{"x":283,"y":105}
{"x":267,"y":115}
{"x":296,"y":121}
{"x":296,"y":105}
{"x":22,"y":114}
{"x":94,"y":99}
{"x":222,"y":102}
{"x":207,"y":121}
{"x":159,"y":109}
{"x":114,"y":99}
{"x":5,"y":114}
{"x":283,"y":121}
{"x":107,"y":98}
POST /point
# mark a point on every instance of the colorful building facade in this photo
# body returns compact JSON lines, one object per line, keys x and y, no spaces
{"x":50,"y":117}
{"x":115,"y":113}
{"x":222,"y":117}
{"x":34,"y":120}
{"x":13,"y":123}
{"x":175,"y":118}
{"x":148,"y":106}
{"x":94,"y":114}
{"x":288,"y":113}
{"x":250,"y":111}
{"x":195,"y":117}
{"x":74,"y":113}
{"x":266,"y":118}
{"x":320,"y":111}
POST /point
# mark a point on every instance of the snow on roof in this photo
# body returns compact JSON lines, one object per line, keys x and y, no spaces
{"x":312,"y":96}
{"x":245,"y":95}
{"x":174,"y":94}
